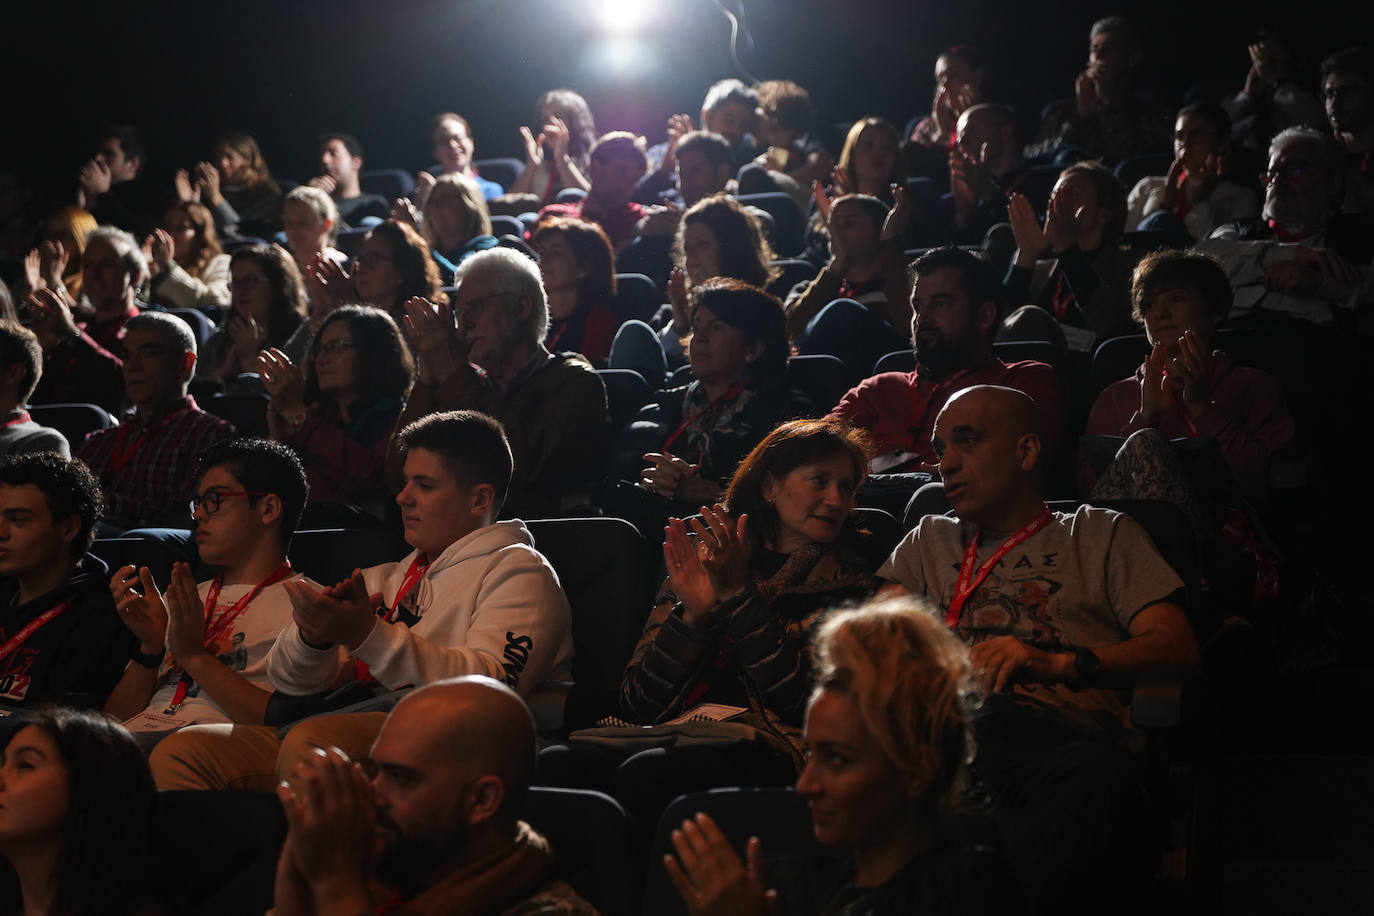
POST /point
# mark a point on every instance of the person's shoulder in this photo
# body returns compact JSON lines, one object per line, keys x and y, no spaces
{"x":553,"y":899}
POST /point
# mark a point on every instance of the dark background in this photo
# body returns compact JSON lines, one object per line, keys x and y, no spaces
{"x":185,"y":72}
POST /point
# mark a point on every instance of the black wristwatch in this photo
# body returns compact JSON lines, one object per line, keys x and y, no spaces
{"x":145,"y":660}
{"x":1086,"y":666}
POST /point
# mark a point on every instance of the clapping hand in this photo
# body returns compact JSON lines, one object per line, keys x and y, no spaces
{"x":207,"y":180}
{"x":330,"y":813}
{"x":342,"y":614}
{"x":50,"y":318}
{"x":439,"y":349}
{"x":710,"y":876}
{"x":144,"y":613}
{"x":285,"y":385}
{"x":186,"y":190}
{"x":185,"y":616}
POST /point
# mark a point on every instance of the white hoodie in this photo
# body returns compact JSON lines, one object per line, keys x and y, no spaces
{"x":489,"y":604}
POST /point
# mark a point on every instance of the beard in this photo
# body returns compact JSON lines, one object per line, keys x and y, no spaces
{"x":937,"y":356}
{"x":409,"y":863}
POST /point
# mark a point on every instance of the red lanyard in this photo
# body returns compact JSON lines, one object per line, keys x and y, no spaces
{"x":120,"y":456}
{"x":1062,"y":299}
{"x":1184,"y":205}
{"x":226,"y":620}
{"x":15,"y":641}
{"x":15,"y":421}
{"x":412,"y":578}
{"x":969,"y":581}
{"x":1284,"y":235}
{"x":735,"y":391}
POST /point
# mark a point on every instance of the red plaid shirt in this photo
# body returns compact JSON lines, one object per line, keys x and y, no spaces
{"x":157,"y":480}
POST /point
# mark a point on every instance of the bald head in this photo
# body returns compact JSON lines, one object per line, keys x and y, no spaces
{"x":477,"y":722}
{"x":988,"y":439}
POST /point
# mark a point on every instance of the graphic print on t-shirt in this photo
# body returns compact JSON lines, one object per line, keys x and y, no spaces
{"x":1013,"y":600}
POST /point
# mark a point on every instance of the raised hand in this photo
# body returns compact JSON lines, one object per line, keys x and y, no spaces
{"x":534,"y":147}
{"x":822,"y":199}
{"x":1173,"y":186}
{"x":330,"y":814}
{"x":52,"y":262}
{"x":208,"y":178}
{"x":723,"y":546}
{"x":1088,"y":92}
{"x":50,"y":318}
{"x":143,"y":612}
{"x":33,"y":271}
{"x":943,"y":113}
{"x":248,"y":339}
{"x":711,"y":878}
{"x":185,"y":616}
{"x":440,"y":350}
{"x":326,"y":183}
{"x":95,"y":179}
{"x":1025,"y":227}
{"x":840,"y":183}
{"x":403,"y":211}
{"x":186,"y":191}
{"x":677,"y":297}
{"x":329,"y":285}
{"x":284,"y":382}
{"x":1154,"y":395}
{"x":342,"y":615}
{"x":557,"y":136}
{"x":1191,"y":365}
{"x":424,"y":184}
{"x":1063,"y":221}
{"x":689,"y":579}
{"x":679,"y":125}
{"x":894,"y":227}
{"x":159,"y":248}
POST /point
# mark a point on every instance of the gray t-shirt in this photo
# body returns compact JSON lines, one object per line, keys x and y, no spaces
{"x":1076,"y":583}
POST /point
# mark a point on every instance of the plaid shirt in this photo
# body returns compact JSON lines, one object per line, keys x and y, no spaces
{"x":156,"y":477}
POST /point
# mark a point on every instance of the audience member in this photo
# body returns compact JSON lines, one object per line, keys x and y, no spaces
{"x":733,"y":621}
{"x":146,"y":464}
{"x":57,"y":263}
{"x":577,"y":266}
{"x":1061,"y":609}
{"x":558,"y":157}
{"x":267,"y":308}
{"x":728,"y":111}
{"x":187,"y":267}
{"x":81,"y":810}
{"x":959,"y":77}
{"x":1298,"y":261}
{"x":311,"y":222}
{"x":21,"y":368}
{"x":237,"y":187}
{"x":695,"y":436}
{"x":887,"y":728}
{"x":76,"y":369}
{"x":956,"y":301}
{"x":1075,"y":270}
{"x":617,"y":164}
{"x":450,"y":138}
{"x":1272,"y":99}
{"x":394,"y":264}
{"x":339,"y":413}
{"x":113,"y":271}
{"x":341,"y":161}
{"x":1188,"y":389}
{"x":703,"y":166}
{"x":448,"y":778}
{"x":984,"y":168}
{"x":857,"y":307}
{"x":63,"y":642}
{"x":794,"y":154}
{"x":217,"y":633}
{"x":552,"y":405}
{"x":456,"y":222}
{"x":1108,"y":119}
{"x":110,"y":186}
{"x":870,"y":161}
{"x":1195,"y":196}
{"x":1348,"y":88}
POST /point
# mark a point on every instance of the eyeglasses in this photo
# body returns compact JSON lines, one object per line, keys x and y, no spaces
{"x":1296,"y":170}
{"x":371,"y":260}
{"x":476,"y":306}
{"x":210,"y":501}
{"x":247,"y":283}
{"x":333,"y":348}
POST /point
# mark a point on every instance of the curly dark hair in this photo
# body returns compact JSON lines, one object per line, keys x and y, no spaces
{"x":68,"y":486}
{"x":410,"y":253}
{"x":384,"y":366}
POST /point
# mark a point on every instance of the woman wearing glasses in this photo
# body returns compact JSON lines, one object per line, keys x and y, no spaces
{"x":267,"y":305}
{"x":393,"y":265}
{"x":338,"y":414}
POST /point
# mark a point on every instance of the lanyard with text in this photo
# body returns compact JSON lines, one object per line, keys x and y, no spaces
{"x":735,"y":391}
{"x":17,"y":640}
{"x":412,"y":578}
{"x":226,"y":620}
{"x":969,"y":581}
{"x":120,"y":455}
{"x":21,"y":417}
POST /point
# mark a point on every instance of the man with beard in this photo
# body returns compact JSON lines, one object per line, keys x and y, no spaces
{"x":431,"y":824}
{"x":1348,"y":88}
{"x":1303,"y":258}
{"x":956,"y":300}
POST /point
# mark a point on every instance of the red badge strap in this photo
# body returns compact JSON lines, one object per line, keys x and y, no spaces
{"x":15,"y":421}
{"x":17,"y":640}
{"x":412,"y":578}
{"x":120,"y":456}
{"x":226,"y":620}
{"x":735,"y":391}
{"x":969,"y":581}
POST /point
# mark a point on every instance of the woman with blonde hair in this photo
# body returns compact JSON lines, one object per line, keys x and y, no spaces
{"x":887,"y":730}
{"x":56,"y":263}
{"x":456,"y":223}
{"x":189,"y":269}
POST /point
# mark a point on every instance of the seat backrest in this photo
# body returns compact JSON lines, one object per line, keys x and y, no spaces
{"x":240,"y":834}
{"x":610,"y":575}
{"x":569,"y":196}
{"x":350,"y":240}
{"x":246,"y":410}
{"x":636,"y":296}
{"x":1118,"y":357}
{"x":1131,"y":170}
{"x":75,"y":421}
{"x":791,"y":271}
{"x":626,"y":393}
{"x":389,"y":183}
{"x":778,"y":817}
{"x":789,"y":224}
{"x":502,"y":170}
{"x":232,"y":245}
{"x":590,"y":836}
{"x":1014,"y":351}
{"x":822,"y":378}
{"x":896,"y":361}
{"x":200,"y":324}
{"x":506,"y":225}
{"x":137,"y":552}
{"x":329,"y":555}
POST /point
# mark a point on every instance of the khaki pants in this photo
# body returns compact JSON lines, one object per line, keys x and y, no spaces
{"x":251,"y":758}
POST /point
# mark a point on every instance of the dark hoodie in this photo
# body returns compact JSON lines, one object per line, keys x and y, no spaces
{"x":77,"y":657}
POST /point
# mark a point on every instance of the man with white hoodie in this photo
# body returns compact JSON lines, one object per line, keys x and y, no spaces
{"x":474,"y":597}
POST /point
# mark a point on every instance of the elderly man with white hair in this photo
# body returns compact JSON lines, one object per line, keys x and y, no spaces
{"x":488,"y":354}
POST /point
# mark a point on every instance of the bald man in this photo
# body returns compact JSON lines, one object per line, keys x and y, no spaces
{"x":435,"y":828}
{"x":1059,"y":609}
{"x":984,"y":167}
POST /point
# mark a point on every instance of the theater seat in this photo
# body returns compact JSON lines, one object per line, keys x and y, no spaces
{"x":329,"y":555}
{"x":200,"y":324}
{"x":626,"y":393}
{"x":791,"y":271}
{"x":226,"y":848}
{"x":789,"y":224}
{"x":138,"y":552}
{"x":389,"y":183}
{"x":590,"y":836}
{"x":75,"y":421}
{"x":502,"y":170}
{"x":636,"y":296}
{"x":822,"y":378}
{"x":246,"y":410}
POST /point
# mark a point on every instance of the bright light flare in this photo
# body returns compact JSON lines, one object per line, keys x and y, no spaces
{"x":623,"y":16}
